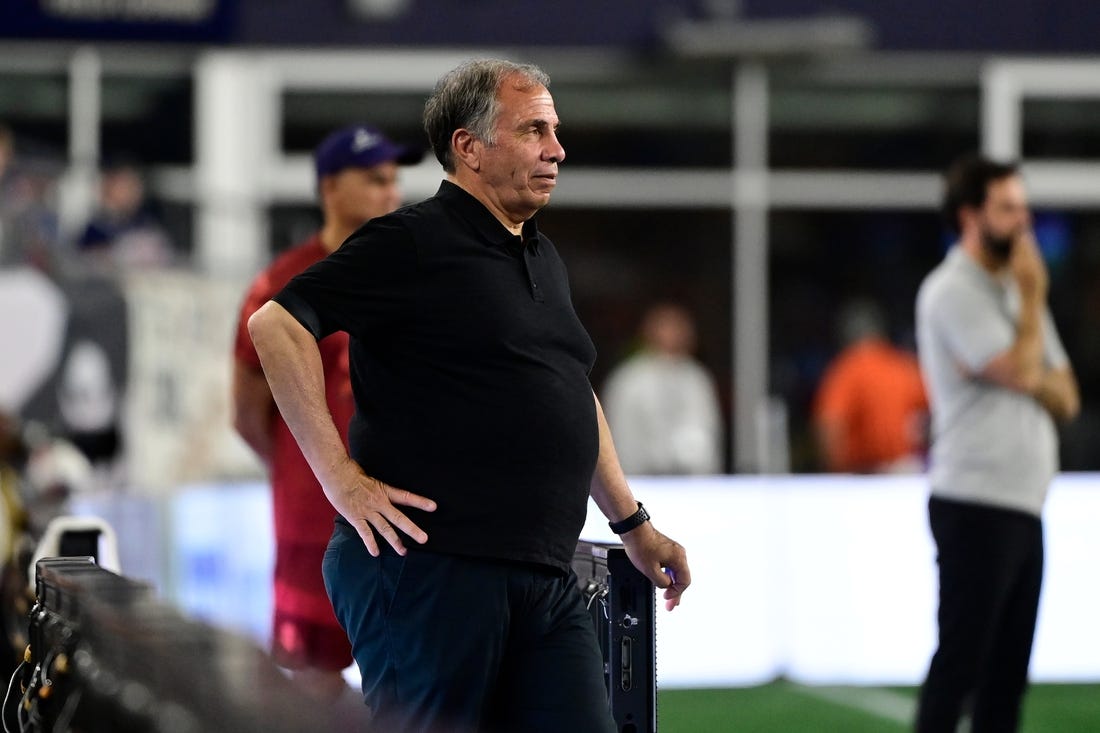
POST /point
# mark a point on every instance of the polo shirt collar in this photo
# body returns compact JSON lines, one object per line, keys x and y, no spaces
{"x":487,"y":226}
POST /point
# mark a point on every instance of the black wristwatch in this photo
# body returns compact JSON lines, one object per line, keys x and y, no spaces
{"x":635,"y":520}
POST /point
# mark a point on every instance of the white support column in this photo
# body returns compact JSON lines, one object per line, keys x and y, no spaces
{"x":750,"y":269}
{"x":234,"y":145}
{"x":1006,"y":83}
{"x":77,"y":192}
{"x":1002,"y":126}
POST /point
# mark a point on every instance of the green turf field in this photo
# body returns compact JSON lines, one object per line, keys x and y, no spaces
{"x":785,"y":706}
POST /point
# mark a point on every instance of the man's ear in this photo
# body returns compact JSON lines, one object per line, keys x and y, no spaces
{"x":967,"y":216}
{"x":324,"y":186}
{"x":466,"y":149}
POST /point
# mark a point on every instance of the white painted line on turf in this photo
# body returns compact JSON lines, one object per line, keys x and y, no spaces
{"x":885,"y":704}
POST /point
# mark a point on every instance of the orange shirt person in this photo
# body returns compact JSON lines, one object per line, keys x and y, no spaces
{"x":871,"y":408}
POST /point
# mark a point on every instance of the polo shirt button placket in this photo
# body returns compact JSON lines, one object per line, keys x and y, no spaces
{"x":536,"y":292}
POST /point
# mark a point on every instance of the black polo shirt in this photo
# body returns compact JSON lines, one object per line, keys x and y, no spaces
{"x":470,"y":374}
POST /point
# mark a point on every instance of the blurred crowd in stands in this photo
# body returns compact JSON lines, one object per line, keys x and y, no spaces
{"x":65,"y":340}
{"x":122,"y":232}
{"x":65,"y":312}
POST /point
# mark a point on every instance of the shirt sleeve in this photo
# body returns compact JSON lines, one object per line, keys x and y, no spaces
{"x":1054,"y":353}
{"x":974,"y":326}
{"x":365,"y":288}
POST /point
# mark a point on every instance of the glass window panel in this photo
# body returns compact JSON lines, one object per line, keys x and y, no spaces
{"x":35,"y":108}
{"x":870,"y":127}
{"x":1061,"y":129}
{"x":148,"y":118}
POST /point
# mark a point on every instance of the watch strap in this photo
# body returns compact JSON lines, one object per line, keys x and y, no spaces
{"x":635,"y":520}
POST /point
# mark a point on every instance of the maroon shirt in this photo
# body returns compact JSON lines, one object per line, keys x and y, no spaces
{"x":303,"y":515}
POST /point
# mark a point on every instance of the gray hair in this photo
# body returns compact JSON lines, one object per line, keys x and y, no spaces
{"x":467,"y":97}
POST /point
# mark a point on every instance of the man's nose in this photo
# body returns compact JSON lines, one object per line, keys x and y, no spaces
{"x":554,"y":151}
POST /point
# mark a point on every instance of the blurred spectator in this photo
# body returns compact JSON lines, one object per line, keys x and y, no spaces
{"x":28,"y":217}
{"x":870,"y":412}
{"x":661,"y":404}
{"x":7,"y":154}
{"x":65,"y":326}
{"x":124,"y":233}
{"x":7,"y":184}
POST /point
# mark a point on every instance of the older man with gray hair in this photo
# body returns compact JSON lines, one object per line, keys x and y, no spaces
{"x":476,"y":436}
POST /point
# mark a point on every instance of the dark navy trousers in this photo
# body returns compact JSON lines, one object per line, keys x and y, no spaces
{"x":451,"y":644}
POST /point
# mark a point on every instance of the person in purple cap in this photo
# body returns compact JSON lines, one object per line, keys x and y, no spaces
{"x":477,"y":439}
{"x":357,"y":180}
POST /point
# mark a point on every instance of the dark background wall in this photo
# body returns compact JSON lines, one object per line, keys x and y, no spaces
{"x":1017,"y":26}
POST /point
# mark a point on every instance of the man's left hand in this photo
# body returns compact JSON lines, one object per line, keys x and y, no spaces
{"x":661,"y":559}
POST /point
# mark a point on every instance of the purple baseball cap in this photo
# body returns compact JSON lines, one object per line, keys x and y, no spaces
{"x":360,"y":146}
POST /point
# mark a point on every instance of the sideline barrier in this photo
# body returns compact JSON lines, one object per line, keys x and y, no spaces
{"x":821,"y":579}
{"x":105,"y":656}
{"x":832,"y":580}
